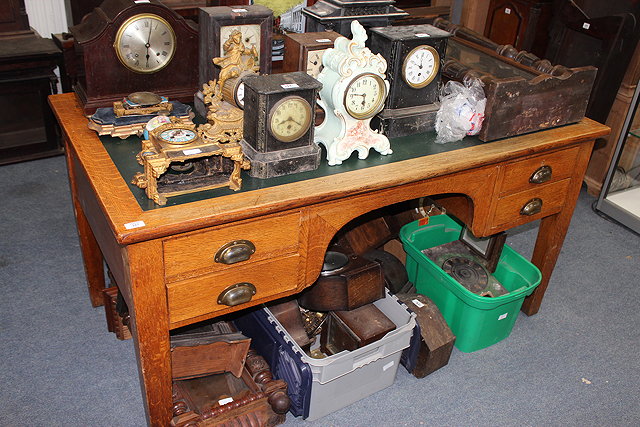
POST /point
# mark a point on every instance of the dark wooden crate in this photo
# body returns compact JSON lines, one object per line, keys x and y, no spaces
{"x":524,"y":93}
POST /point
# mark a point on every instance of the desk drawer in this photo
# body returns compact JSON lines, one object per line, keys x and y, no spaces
{"x":508,"y":210}
{"x":193,"y":254}
{"x":517,"y":175}
{"x":199,"y":296}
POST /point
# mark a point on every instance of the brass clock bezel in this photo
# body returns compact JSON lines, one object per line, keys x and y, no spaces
{"x":303,"y":129}
{"x":157,"y":132}
{"x":381,"y":98}
{"x":126,"y":24}
{"x":434,"y":72}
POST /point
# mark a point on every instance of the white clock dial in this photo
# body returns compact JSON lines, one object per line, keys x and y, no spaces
{"x":365,"y":96}
{"x":314,"y":62}
{"x":420,"y":66}
{"x":250,"y":36}
{"x":290,"y":118}
{"x":145,"y":43}
{"x":240,"y":95}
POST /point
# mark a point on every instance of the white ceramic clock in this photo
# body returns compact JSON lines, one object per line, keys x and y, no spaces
{"x":354,"y":90}
{"x":145,"y":43}
{"x":250,"y":36}
{"x":420,"y":66}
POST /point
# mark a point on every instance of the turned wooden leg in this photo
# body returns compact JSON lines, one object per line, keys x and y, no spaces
{"x":146,"y":298}
{"x":91,"y":254}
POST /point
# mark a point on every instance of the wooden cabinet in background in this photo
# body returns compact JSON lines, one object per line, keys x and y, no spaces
{"x":520,"y":23}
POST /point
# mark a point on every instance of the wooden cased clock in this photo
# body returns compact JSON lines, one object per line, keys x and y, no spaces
{"x":414,"y":55}
{"x":126,"y":46}
{"x":254,"y":22}
{"x":303,"y":51}
{"x":278,"y":140}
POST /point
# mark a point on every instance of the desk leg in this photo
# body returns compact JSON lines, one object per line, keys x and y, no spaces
{"x":147,"y":299}
{"x":552,"y":232}
{"x":91,"y":254}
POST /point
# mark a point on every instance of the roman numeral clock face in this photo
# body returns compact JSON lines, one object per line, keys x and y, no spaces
{"x":145,"y":43}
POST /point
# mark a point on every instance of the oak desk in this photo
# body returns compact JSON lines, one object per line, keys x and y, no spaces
{"x":163,"y":257}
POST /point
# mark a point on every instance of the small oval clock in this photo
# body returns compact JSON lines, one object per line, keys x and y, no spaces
{"x":145,"y":43}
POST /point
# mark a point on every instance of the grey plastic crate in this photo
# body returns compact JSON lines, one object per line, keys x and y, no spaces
{"x":349,"y":376}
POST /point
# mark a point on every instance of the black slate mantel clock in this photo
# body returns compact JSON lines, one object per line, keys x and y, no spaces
{"x":414,"y":54}
{"x":278,"y":139}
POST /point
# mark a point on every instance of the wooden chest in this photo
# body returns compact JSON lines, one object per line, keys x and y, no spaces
{"x":524,"y":93}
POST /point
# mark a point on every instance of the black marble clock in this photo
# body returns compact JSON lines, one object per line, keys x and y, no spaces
{"x":414,"y":54}
{"x":336,"y":15}
{"x":279,"y":111}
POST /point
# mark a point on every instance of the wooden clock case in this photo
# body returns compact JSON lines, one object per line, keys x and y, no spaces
{"x":407,"y":110}
{"x":102,"y":79}
{"x":298,"y":45}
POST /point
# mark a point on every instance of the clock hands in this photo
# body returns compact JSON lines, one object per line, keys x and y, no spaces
{"x":148,"y":44}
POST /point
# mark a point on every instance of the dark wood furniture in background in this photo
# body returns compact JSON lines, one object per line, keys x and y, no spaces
{"x":162,"y":258}
{"x":28,"y":129}
{"x":523,"y":24}
{"x":13,"y":19}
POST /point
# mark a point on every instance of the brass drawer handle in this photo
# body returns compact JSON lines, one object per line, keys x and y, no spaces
{"x":543,"y":174}
{"x":532,"y":207}
{"x":237,"y":294}
{"x":235,"y":251}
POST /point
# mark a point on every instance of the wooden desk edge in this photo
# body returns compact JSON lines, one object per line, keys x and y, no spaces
{"x":120,"y":206}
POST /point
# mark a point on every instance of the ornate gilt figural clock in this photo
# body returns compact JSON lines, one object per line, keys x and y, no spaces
{"x":354,"y":90}
{"x":279,"y":139}
{"x":125,"y":46}
{"x":178,"y":160}
{"x":251,"y":24}
{"x":414,"y":54}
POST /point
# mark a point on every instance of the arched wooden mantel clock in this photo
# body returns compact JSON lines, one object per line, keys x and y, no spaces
{"x":125,"y":46}
{"x":354,"y":90}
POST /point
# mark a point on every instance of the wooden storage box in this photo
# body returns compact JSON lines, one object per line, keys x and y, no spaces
{"x":209,"y":349}
{"x":524,"y":93}
{"x":254,"y":399}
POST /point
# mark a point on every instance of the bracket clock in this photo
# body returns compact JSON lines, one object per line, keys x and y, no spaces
{"x":354,"y":90}
{"x":126,"y":46}
{"x":220,"y":24}
{"x":303,"y":51}
{"x":414,"y":54}
{"x":279,"y":139}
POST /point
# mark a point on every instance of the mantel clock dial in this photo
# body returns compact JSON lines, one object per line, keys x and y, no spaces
{"x":365,"y":96}
{"x":290,"y":118}
{"x":420,"y":66}
{"x":145,"y":43}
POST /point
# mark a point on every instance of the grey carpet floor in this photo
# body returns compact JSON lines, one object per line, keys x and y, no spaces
{"x":577,"y":362}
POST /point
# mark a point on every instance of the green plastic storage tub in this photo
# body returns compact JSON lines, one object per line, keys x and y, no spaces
{"x":477,"y":322}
